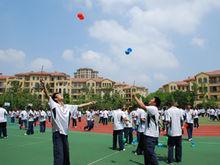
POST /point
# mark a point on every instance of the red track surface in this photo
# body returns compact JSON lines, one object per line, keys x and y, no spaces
{"x":203,"y":130}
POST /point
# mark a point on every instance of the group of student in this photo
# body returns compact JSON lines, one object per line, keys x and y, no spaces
{"x":146,"y":118}
{"x":213,"y":113}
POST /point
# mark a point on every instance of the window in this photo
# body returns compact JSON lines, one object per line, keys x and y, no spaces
{"x":205,"y":80}
{"x":200,"y":80}
{"x":33,"y":78}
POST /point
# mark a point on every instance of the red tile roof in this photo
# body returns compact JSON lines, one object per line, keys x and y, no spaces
{"x":43,"y":74}
{"x":2,"y":77}
{"x":215,"y":72}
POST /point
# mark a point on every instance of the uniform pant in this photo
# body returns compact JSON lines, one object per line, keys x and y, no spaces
{"x":30,"y":129}
{"x":150,"y":157}
{"x":140,"y":147}
{"x":189,"y":130}
{"x":105,"y":121}
{"x":3,"y":129}
{"x":196,"y":122}
{"x":74,"y":122}
{"x":23,"y":122}
{"x":60,"y":149}
{"x":118,"y":134}
{"x":128,"y":135}
{"x":42,"y":126}
{"x":176,"y":142}
{"x":79,"y":119}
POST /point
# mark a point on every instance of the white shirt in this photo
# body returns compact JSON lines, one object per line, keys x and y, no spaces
{"x":105,"y":114}
{"x":74,"y":114}
{"x":118,"y":116}
{"x":79,"y":114}
{"x":60,"y":116}
{"x":43,"y":116}
{"x":196,"y":113}
{"x":24,"y":115}
{"x":152,"y":122}
{"x":3,"y":115}
{"x":128,"y":124}
{"x":174,"y":117}
{"x":141,"y":114}
{"x":48,"y":113}
{"x":88,"y":115}
{"x":30,"y":115}
{"x":189,"y":116}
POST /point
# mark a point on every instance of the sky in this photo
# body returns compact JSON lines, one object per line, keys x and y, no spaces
{"x":170,"y":39}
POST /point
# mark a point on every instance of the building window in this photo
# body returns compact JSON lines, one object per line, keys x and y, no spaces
{"x":205,"y":80}
{"x":200,"y":80}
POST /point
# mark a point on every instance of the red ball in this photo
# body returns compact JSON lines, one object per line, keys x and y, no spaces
{"x":80,"y":16}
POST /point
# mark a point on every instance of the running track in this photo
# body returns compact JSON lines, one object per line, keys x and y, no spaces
{"x":203,"y":130}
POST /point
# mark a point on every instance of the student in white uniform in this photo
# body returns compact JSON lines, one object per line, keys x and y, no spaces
{"x":30,"y":130}
{"x":141,"y":117}
{"x":189,"y":122}
{"x":79,"y":116}
{"x":3,"y":122}
{"x":24,"y":117}
{"x":196,"y":118}
{"x":175,"y":121}
{"x":105,"y":117}
{"x":118,"y":127}
{"x":151,"y":132}
{"x":42,"y":120}
{"x":49,"y":115}
{"x":60,"y":123}
{"x":128,"y":130}
{"x":74,"y":118}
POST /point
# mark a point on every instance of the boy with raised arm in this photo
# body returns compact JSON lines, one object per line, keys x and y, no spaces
{"x":60,"y":123}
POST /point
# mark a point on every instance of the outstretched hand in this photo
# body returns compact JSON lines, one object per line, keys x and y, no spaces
{"x":42,"y":82}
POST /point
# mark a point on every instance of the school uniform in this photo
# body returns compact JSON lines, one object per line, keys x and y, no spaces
{"x":189,"y":122}
{"x":151,"y":135}
{"x":42,"y":120}
{"x":60,"y":123}
{"x":118,"y":127}
{"x":74,"y":118}
{"x":105,"y":117}
{"x":174,"y":119}
{"x":100,"y":116}
{"x":49,"y":115}
{"x":24,"y":116}
{"x":109,"y":116}
{"x":128,"y":130}
{"x":196,"y":118}
{"x":3,"y":122}
{"x":30,"y":130}
{"x":79,"y":116}
{"x":141,"y":115}
{"x":90,"y":121}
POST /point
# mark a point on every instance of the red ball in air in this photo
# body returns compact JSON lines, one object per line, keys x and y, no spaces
{"x":80,"y":16}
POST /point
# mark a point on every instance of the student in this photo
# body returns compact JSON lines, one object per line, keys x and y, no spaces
{"x":60,"y":119}
{"x":79,"y":116}
{"x":141,"y":117}
{"x":42,"y":119}
{"x":74,"y":118}
{"x":128,"y":130}
{"x":30,"y":130}
{"x":175,"y":121}
{"x":90,"y":121}
{"x":118,"y":127}
{"x":101,"y":116}
{"x":49,"y":115}
{"x":196,"y":118}
{"x":105,"y":117}
{"x":3,"y":122}
{"x":24,"y":117}
{"x":189,"y":122}
{"x":151,"y":132}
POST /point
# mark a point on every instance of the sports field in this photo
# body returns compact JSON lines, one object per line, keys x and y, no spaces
{"x":95,"y":148}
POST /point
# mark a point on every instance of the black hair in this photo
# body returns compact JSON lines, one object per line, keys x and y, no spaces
{"x":157,"y":101}
{"x":54,"y":96}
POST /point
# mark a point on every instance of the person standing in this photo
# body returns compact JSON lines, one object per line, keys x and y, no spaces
{"x":118,"y":127}
{"x":3,"y":122}
{"x":151,"y":133}
{"x":42,"y":119}
{"x":79,"y":116}
{"x":196,"y":118}
{"x":128,"y":130}
{"x":174,"y":121}
{"x":74,"y":118}
{"x":49,"y":115}
{"x":30,"y":130}
{"x":60,"y":123}
{"x":189,"y":122}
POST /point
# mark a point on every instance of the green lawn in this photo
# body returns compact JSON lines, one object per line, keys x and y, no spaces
{"x":92,"y":148}
{"x":207,"y":121}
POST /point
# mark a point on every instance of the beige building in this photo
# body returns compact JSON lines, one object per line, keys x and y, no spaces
{"x":126,"y":90}
{"x":207,"y":85}
{"x":85,"y":81}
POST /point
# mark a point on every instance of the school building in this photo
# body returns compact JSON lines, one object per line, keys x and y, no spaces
{"x":206,"y":85}
{"x":84,"y":81}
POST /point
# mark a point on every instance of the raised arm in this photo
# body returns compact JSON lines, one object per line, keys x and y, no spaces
{"x":86,"y":104}
{"x":139,"y":102}
{"x":44,"y":89}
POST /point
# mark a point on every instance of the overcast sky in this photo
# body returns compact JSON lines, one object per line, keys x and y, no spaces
{"x":170,"y":39}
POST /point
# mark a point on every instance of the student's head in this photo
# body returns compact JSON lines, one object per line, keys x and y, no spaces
{"x":57,"y":97}
{"x":155,"y":101}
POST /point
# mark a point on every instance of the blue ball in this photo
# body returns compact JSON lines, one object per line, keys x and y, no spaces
{"x":129,"y":50}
